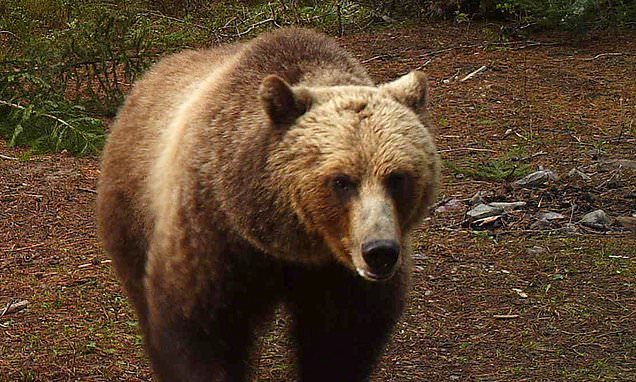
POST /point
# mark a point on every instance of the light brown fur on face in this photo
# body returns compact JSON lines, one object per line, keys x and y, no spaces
{"x":246,"y":175}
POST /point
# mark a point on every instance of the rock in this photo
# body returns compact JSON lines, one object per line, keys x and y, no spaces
{"x":596,"y":219}
{"x":542,"y":224}
{"x":627,"y":222}
{"x":507,"y":206}
{"x":620,"y":163}
{"x":550,"y":216}
{"x":482,"y":211}
{"x":536,"y":179}
{"x":536,"y":250}
{"x":450,"y":206}
{"x":576,"y":173}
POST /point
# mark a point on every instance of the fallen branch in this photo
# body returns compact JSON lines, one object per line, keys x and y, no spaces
{"x":7,"y":157}
{"x":602,"y":55}
{"x":473,"y":73}
{"x":14,"y":307}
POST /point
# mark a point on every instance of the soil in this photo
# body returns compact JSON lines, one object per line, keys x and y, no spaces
{"x":505,"y":301}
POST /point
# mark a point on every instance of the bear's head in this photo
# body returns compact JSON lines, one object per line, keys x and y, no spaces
{"x":357,"y":165}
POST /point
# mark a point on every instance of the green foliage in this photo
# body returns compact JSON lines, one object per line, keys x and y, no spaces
{"x":503,"y":169}
{"x":575,"y":15}
{"x":65,"y":65}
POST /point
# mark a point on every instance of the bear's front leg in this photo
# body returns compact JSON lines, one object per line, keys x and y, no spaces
{"x":341,"y":321}
{"x":203,"y":311}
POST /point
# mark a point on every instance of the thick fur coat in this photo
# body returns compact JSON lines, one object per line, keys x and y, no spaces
{"x":268,"y":172}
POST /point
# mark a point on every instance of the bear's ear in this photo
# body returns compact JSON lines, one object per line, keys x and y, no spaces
{"x":410,"y":90}
{"x":282,"y":103}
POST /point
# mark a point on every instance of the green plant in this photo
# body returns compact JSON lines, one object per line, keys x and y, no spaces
{"x":498,"y":170}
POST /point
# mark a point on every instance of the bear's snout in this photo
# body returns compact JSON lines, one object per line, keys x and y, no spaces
{"x":381,"y":257}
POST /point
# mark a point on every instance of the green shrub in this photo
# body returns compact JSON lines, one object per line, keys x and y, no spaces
{"x":65,"y":65}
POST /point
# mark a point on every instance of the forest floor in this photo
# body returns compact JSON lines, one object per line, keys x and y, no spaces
{"x":512,"y":299}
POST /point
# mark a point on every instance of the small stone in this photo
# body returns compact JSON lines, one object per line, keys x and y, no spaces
{"x":596,"y":219}
{"x":450,"y":206}
{"x":536,"y":250}
{"x":507,"y":206}
{"x":483,"y":211}
{"x":536,"y":179}
{"x":550,"y":216}
{"x":542,"y":224}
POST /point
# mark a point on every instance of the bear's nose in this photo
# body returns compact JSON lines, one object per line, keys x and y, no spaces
{"x":381,"y":256}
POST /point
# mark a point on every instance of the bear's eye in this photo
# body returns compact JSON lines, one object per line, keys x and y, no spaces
{"x":343,"y":186}
{"x":398,"y":184}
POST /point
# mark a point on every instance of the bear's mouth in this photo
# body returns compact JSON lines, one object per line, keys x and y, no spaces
{"x":372,"y":276}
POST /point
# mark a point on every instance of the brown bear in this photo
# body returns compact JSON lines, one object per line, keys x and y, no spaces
{"x":271,"y":172}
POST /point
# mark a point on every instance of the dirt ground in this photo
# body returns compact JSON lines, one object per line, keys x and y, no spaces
{"x":513,"y":302}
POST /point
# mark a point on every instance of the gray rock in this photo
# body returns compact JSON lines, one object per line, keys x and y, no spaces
{"x":482,"y":211}
{"x":536,"y":250}
{"x":596,"y":219}
{"x":450,"y":206}
{"x":507,"y":206}
{"x":536,"y":179}
{"x":542,"y":224}
{"x":550,"y":216}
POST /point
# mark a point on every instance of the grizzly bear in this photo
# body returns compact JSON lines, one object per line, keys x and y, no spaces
{"x":271,"y":172}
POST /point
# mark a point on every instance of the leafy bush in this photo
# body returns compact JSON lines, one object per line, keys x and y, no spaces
{"x":65,"y":65}
{"x":576,"y":15}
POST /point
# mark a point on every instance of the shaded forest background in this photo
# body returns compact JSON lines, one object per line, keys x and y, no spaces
{"x":65,"y":65}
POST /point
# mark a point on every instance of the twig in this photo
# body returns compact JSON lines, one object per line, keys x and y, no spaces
{"x":505,"y":316}
{"x":602,"y":55}
{"x":7,"y":157}
{"x":540,"y":153}
{"x":27,"y":247}
{"x":10,"y":33}
{"x":14,"y":307}
{"x":473,"y":73}
{"x":182,"y":21}
{"x":424,"y":64}
{"x":380,"y":56}
{"x":251,"y":28}
{"x":91,"y":264}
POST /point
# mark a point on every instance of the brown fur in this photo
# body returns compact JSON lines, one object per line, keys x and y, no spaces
{"x":215,"y":203}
